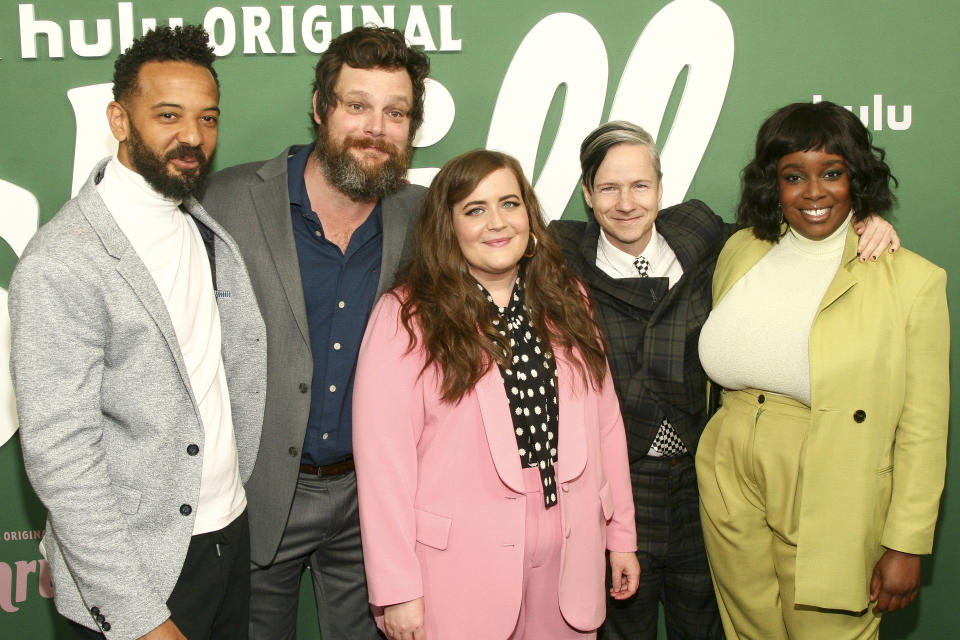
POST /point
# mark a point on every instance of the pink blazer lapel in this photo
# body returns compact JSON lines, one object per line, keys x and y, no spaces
{"x":498,"y":425}
{"x":572,"y":451}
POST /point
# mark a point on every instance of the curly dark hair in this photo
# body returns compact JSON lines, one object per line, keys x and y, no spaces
{"x":369,"y":48}
{"x":189,"y":43}
{"x":804,"y":126}
{"x":440,"y":298}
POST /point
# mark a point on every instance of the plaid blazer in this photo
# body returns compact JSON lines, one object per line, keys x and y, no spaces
{"x":652,"y":331}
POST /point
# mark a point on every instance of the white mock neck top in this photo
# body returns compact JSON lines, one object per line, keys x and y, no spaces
{"x":758,"y":335}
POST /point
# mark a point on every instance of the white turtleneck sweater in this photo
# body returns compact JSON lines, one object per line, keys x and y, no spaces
{"x":758,"y":336}
{"x":168,"y":242}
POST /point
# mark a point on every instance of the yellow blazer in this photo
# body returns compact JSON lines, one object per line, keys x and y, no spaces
{"x":875,"y":457}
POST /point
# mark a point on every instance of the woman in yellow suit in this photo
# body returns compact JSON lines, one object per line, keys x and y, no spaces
{"x":820,"y":476}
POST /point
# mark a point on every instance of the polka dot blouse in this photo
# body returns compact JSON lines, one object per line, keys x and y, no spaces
{"x":531,"y":389}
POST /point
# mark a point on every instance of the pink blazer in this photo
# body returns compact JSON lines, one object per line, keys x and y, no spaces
{"x":442,"y":500}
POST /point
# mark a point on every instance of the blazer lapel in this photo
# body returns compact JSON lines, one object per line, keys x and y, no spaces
{"x":272,"y":202}
{"x":689,"y":245}
{"x":195,"y":209}
{"x":572,"y":448}
{"x":844,"y":279}
{"x":498,"y":425}
{"x":395,"y":225}
{"x":131,"y":268}
{"x":737,"y":268}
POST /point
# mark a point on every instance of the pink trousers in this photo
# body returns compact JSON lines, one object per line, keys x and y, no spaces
{"x":540,"y":617}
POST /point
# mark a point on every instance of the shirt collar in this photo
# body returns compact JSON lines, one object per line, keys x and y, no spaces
{"x":623,"y":262}
{"x":296,"y":185}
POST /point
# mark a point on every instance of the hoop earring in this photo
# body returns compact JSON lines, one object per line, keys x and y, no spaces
{"x":530,"y":252}
{"x":780,"y":211}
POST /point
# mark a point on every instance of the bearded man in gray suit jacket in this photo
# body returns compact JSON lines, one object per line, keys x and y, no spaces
{"x":138,"y":359}
{"x":323,"y":229}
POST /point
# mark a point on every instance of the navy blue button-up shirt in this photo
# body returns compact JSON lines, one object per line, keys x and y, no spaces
{"x":339,"y":290}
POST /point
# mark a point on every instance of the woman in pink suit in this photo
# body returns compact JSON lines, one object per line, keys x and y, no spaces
{"x":491,"y":457}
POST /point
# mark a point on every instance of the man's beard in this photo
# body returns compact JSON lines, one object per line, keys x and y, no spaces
{"x":153,"y":167}
{"x":359,"y":182}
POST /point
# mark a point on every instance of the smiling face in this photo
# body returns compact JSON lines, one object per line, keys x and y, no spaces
{"x":492,"y":228}
{"x":363,"y":142}
{"x":814,"y":192}
{"x":168,"y":127}
{"x":625,"y":196}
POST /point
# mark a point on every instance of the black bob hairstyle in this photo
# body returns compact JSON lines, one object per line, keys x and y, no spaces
{"x":189,"y":43}
{"x":804,"y":126}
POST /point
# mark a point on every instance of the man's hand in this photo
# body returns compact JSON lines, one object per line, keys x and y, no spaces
{"x":625,"y":574}
{"x":895,"y":581}
{"x":166,"y":631}
{"x":876,"y":236}
{"x":404,"y":621}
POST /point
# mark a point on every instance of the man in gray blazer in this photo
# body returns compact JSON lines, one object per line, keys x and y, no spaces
{"x":323,"y":229}
{"x":138,"y":359}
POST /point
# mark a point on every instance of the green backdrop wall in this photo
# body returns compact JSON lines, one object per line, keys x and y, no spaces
{"x":528,"y":77}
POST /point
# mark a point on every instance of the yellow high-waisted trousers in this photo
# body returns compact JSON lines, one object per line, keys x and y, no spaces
{"x":749,"y":468}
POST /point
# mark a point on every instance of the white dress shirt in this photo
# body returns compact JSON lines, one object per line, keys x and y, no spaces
{"x":619,"y":264}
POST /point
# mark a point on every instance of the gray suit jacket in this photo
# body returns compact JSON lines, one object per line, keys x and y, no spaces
{"x":107,"y":411}
{"x":253,"y":203}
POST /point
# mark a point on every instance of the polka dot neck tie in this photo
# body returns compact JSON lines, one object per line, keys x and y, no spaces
{"x":531,"y":390}
{"x":643,"y":266}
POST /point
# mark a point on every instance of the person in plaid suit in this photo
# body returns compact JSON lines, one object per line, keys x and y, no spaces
{"x":649,"y":274}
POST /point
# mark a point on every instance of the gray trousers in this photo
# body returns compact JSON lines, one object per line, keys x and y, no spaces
{"x":323,"y":536}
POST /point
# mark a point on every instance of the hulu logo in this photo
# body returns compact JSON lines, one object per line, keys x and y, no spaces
{"x":872,"y":115}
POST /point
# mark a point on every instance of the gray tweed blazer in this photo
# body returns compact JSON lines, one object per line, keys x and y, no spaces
{"x":107,"y":411}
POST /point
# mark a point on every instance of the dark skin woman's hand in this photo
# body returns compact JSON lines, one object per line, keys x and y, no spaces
{"x":895,"y":581}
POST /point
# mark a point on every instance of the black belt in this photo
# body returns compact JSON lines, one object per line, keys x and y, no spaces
{"x":324,"y":470}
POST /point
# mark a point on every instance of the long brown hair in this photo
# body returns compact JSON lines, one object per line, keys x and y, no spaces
{"x":441,"y":298}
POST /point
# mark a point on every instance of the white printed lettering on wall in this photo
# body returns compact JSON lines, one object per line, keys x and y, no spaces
{"x":544,"y":61}
{"x":874,"y":117}
{"x":20,"y":220}
{"x":257,"y":33}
